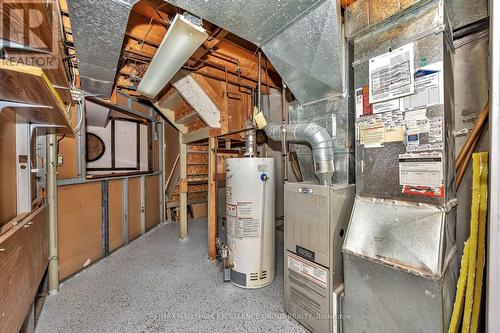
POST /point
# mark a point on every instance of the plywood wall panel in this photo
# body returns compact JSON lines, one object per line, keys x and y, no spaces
{"x":152,"y":202}
{"x":197,"y":170}
{"x":68,"y":148}
{"x":134,"y":208}
{"x":172,"y":148}
{"x":7,"y":166}
{"x":115,"y":208}
{"x":197,"y":158}
{"x":79,"y":219}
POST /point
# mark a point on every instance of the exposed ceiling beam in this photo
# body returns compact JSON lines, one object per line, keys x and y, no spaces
{"x":142,"y":39}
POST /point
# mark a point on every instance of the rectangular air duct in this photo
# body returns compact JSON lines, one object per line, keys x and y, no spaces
{"x":99,"y":29}
{"x":301,"y":38}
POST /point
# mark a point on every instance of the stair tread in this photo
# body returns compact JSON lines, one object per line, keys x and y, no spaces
{"x":190,"y":202}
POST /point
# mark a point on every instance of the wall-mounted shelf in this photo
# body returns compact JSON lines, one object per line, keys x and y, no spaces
{"x":28,"y":91}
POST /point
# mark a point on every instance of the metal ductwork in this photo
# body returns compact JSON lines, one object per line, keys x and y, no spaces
{"x":99,"y":28}
{"x":301,"y":38}
{"x":309,"y":54}
{"x":319,"y":139}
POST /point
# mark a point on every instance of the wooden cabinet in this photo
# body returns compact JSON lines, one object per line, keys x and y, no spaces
{"x":24,"y":256}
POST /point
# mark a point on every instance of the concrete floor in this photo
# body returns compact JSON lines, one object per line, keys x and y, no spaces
{"x":159,"y":284}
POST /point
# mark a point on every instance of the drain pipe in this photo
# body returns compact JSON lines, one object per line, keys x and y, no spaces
{"x":52,"y":202}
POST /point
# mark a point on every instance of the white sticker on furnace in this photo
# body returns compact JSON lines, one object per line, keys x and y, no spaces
{"x":421,"y":169}
{"x":417,"y":122}
{"x":435,"y":129}
{"x":428,"y":88}
{"x":392,"y":105}
{"x":316,"y":274}
{"x":391,"y":74}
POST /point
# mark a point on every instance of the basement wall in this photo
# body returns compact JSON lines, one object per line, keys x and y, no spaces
{"x":101,"y":213}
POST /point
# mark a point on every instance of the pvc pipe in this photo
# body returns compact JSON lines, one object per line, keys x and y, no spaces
{"x":52,"y":201}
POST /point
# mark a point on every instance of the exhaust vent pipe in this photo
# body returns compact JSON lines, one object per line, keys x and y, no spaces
{"x":317,"y":137}
{"x":250,"y":140}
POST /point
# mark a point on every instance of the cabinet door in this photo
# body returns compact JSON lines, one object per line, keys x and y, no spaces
{"x":134,"y":208}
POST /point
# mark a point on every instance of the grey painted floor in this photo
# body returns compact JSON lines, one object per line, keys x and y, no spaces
{"x":159,"y":284}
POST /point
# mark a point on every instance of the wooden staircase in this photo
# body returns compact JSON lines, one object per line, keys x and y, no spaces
{"x":188,"y":122}
{"x":197,"y":178}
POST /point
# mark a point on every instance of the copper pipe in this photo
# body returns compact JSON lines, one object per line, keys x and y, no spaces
{"x":463,"y":167}
{"x":475,"y":132}
{"x":221,"y":68}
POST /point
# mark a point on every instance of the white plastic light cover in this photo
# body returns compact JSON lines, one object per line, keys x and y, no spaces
{"x":182,"y":39}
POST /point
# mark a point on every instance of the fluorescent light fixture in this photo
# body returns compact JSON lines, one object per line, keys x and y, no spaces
{"x":182,"y":39}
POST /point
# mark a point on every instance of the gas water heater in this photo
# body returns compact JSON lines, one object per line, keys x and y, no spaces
{"x":250,"y":221}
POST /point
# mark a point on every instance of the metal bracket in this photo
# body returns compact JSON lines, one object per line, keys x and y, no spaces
{"x":193,"y":19}
{"x":18,"y":105}
{"x":35,"y":126}
{"x":447,"y":207}
{"x":462,"y":132}
{"x":10,"y":104}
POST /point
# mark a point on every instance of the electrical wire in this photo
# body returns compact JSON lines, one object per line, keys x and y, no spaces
{"x":80,"y":121}
{"x":59,"y":140}
{"x":150,"y":25}
{"x":250,"y":64}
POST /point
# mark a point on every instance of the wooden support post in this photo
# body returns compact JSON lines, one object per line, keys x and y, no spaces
{"x":183,"y":227}
{"x":212,"y":204}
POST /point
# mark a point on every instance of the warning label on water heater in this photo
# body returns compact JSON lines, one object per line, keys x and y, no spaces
{"x":245,"y":209}
{"x":391,"y":74}
{"x":240,"y":218}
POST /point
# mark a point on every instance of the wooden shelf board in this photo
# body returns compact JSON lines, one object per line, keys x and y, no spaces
{"x":30,"y":85}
